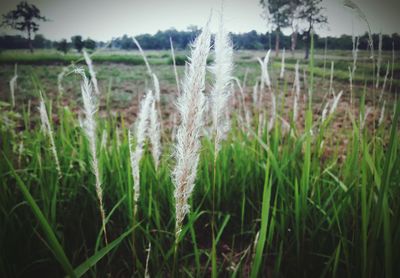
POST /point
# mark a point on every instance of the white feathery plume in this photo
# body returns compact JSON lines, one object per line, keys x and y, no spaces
{"x":46,"y":128}
{"x":174,"y":127}
{"x":331,"y":79}
{"x":354,"y":7}
{"x":60,"y":78}
{"x":207,"y":130}
{"x":262,"y":80}
{"x":13,"y":85}
{"x":222,"y":70}
{"x":382,"y":116}
{"x":80,"y":120}
{"x":174,"y":64}
{"x":89,"y":126}
{"x":335,"y":103}
{"x":282,"y":74}
{"x":155,"y":134}
{"x":354,"y":52}
{"x":141,"y":133}
{"x":136,"y":188}
{"x":149,"y":71}
{"x":255,"y":94}
{"x":186,"y":67}
{"x":325,"y":112}
{"x":242,"y":96}
{"x":264,"y":70}
{"x":351,"y":85}
{"x":190,"y":106}
{"x":156,"y":82}
{"x":266,"y":61}
{"x":92,"y":73}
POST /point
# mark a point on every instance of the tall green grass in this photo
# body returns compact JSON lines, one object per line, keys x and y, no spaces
{"x":281,"y":208}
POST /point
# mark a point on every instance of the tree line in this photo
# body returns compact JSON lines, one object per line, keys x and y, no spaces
{"x":181,"y":39}
{"x":279,"y":14}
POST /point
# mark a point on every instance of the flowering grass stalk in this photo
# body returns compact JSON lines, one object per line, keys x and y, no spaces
{"x":46,"y":127}
{"x":190,"y":106}
{"x":155,"y":134}
{"x":382,"y":116}
{"x":222,"y":70}
{"x":92,"y":73}
{"x":142,"y":124}
{"x":175,"y":70}
{"x":331,"y":78}
{"x":149,"y":71}
{"x":89,"y":125}
{"x":60,"y":78}
{"x":13,"y":85}
{"x":351,"y":85}
{"x":265,"y":80}
{"x":255,"y":95}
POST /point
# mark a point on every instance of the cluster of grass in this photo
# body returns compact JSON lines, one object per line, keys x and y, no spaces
{"x":315,"y":218}
{"x":281,"y":208}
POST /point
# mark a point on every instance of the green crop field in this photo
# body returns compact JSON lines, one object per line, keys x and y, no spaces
{"x":296,"y":178}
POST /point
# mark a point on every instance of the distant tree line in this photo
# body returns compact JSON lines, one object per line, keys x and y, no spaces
{"x":160,"y":41}
{"x":279,"y":14}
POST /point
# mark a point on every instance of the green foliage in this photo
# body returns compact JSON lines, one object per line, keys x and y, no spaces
{"x":77,"y":43}
{"x":180,"y":60}
{"x":63,"y":46}
{"x":286,"y":204}
{"x":24,"y":18}
{"x":89,"y":44}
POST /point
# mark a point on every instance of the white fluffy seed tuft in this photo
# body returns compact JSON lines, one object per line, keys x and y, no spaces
{"x":46,"y":128}
{"x":190,"y":107}
{"x":92,"y":73}
{"x":222,"y":70}
{"x":142,"y":124}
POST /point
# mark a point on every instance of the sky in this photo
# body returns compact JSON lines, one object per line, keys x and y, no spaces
{"x":105,"y":19}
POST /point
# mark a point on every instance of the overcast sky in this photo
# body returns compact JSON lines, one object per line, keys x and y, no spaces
{"x":104,"y":19}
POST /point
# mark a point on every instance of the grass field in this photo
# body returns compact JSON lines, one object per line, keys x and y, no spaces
{"x":307,"y":196}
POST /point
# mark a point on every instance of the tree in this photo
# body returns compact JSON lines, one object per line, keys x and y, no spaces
{"x":23,"y":19}
{"x":277,"y":12}
{"x":89,"y":44}
{"x":311,"y":12}
{"x":62,"y":46}
{"x":40,"y":41}
{"x":294,"y":6}
{"x":77,"y":43}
